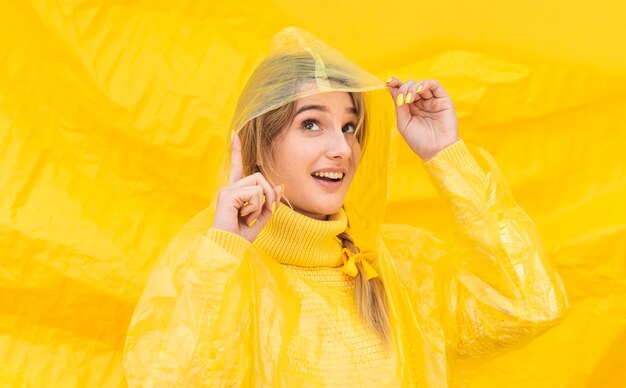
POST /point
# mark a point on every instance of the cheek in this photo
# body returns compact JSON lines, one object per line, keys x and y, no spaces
{"x":292,"y":160}
{"x":298,"y":153}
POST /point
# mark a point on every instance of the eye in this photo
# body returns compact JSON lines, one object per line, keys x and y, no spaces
{"x":349,"y":128}
{"x":310,"y":125}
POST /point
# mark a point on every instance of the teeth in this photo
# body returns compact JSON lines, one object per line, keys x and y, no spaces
{"x":331,"y":175}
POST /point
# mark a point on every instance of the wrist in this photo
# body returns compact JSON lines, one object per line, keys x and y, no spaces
{"x":232,"y":243}
{"x":430,"y":153}
{"x":456,"y":156}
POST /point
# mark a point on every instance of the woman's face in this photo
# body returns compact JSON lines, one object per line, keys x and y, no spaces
{"x":316,"y":156}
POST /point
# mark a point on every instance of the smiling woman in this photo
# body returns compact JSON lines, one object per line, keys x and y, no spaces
{"x":297,"y":281}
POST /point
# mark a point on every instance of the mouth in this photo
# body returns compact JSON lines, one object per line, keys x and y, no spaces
{"x":329,"y":176}
{"x":329,"y":180}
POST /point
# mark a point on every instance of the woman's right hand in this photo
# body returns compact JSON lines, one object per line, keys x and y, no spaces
{"x":247,"y":203}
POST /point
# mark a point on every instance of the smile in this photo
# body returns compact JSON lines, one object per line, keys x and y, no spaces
{"x":329,"y":180}
{"x":329,"y":176}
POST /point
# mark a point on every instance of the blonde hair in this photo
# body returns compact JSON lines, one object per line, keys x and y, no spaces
{"x":369,"y":296}
{"x":257,"y":141}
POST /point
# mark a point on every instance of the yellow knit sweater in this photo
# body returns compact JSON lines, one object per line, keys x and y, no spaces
{"x":331,"y":345}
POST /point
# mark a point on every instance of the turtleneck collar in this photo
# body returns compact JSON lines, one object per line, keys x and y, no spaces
{"x":295,"y":239}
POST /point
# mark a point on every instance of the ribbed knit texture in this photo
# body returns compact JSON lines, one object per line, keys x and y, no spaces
{"x":456,"y":153}
{"x":295,"y":239}
{"x":232,"y":243}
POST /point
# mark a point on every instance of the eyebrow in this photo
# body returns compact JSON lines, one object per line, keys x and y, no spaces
{"x":321,"y":108}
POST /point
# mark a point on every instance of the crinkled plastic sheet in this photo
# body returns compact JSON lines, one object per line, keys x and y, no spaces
{"x":112,"y":123}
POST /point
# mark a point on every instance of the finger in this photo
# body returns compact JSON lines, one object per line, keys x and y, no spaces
{"x":260,"y":201}
{"x":431,"y":88}
{"x":264,"y":214}
{"x":279,"y":190}
{"x":247,"y":200}
{"x":252,"y":211}
{"x":236,"y":165}
{"x":248,"y":208}
{"x":258,"y":179}
{"x":393,"y":85}
{"x":393,"y":82}
{"x":405,"y":90}
{"x":415,"y":91}
{"x":425,"y":94}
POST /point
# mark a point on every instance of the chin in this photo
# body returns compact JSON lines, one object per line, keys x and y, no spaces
{"x":330,"y":209}
{"x":321,"y":209}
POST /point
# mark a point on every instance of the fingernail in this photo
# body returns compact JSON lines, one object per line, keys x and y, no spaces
{"x":389,"y":79}
{"x":245,"y":203}
{"x":263,"y":202}
{"x":273,"y":206}
{"x":400,"y":99}
{"x":419,"y":89}
{"x":243,"y":215}
{"x":251,"y":223}
{"x":409,"y":97}
{"x":283,"y":191}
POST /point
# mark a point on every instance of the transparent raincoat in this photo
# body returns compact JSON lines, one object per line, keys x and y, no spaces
{"x":218,"y":311}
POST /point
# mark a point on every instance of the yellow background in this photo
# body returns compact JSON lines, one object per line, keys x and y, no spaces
{"x":113,"y":117}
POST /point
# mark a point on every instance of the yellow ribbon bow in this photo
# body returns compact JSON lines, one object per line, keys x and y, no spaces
{"x":350,"y":259}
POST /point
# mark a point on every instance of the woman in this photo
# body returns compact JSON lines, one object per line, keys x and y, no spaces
{"x":290,"y":278}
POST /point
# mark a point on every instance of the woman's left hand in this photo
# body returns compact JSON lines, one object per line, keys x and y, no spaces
{"x":426,"y":116}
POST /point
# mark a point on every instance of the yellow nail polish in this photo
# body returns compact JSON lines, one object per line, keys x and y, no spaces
{"x":419,"y":89}
{"x":400,"y":99}
{"x":263,"y":202}
{"x":409,"y":97}
{"x":243,"y":215}
{"x":389,"y":79}
{"x":251,"y":223}
{"x":245,"y":203}
{"x":273,"y":206}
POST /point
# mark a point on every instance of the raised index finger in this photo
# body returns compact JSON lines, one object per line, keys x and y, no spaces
{"x":236,"y":165}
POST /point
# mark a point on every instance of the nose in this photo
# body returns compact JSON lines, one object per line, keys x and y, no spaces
{"x":339,"y":145}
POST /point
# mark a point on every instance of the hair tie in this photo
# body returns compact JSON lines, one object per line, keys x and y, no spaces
{"x":350,"y":259}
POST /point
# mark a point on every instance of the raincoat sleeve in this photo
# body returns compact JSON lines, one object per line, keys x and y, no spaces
{"x":498,"y":287}
{"x":175,"y":337}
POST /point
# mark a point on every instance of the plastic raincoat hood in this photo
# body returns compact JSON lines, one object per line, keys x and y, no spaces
{"x":298,"y":56}
{"x":206,"y":318}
